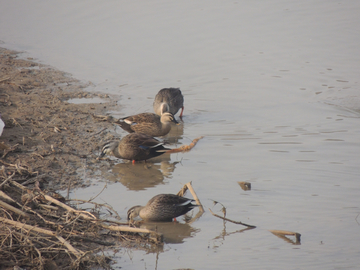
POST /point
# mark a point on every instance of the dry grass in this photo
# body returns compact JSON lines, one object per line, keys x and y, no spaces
{"x":38,"y":229}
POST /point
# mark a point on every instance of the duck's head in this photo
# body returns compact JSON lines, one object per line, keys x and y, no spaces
{"x":168,"y":117}
{"x":108,"y":148}
{"x":133,"y":212}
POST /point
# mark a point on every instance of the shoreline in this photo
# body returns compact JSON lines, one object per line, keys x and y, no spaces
{"x":42,"y":129}
{"x":49,"y":144}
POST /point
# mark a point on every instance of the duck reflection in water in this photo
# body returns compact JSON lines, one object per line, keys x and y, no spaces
{"x":140,"y":176}
{"x":173,"y":232}
{"x":176,"y":134}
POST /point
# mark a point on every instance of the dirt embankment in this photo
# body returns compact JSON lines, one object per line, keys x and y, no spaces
{"x":48,"y":143}
{"x":44,"y":134}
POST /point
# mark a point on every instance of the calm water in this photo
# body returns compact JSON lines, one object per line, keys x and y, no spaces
{"x":272,"y":85}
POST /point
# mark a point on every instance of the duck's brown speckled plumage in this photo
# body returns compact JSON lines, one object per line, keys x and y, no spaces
{"x":148,"y":123}
{"x":134,"y":146}
{"x":162,"y":207}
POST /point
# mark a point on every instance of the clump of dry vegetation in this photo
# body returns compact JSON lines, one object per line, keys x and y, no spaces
{"x":38,"y":229}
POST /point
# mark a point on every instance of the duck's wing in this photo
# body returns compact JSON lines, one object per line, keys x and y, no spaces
{"x":145,"y":141}
{"x":143,"y":118}
{"x":171,"y":199}
{"x":168,"y":206}
{"x":146,"y":123}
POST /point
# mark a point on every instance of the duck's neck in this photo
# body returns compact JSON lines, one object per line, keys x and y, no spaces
{"x":138,"y":210}
{"x":116,"y":152}
{"x":165,"y":126}
{"x":164,"y":107}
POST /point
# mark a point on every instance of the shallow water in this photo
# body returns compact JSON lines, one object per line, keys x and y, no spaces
{"x":273,"y":87}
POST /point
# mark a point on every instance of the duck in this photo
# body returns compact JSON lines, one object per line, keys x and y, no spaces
{"x":148,"y":123}
{"x":135,"y":147}
{"x":169,"y":100}
{"x":162,"y":207}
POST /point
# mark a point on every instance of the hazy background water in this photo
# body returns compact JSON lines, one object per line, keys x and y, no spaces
{"x":273,"y":87}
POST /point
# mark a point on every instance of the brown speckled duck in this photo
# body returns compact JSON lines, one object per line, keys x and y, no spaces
{"x":169,"y":100}
{"x":162,"y":207}
{"x":148,"y":123}
{"x":135,"y":147}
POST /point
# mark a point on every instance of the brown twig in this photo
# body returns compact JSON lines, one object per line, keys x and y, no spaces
{"x":98,"y":204}
{"x":4,"y":79}
{"x":77,"y":253}
{"x":93,"y":198}
{"x":7,"y":179}
{"x":83,"y":214}
{"x":181,"y":193}
{"x":7,"y":151}
{"x":13,"y":209}
{"x":192,"y":191}
{"x":32,"y":180}
{"x":236,"y":222}
{"x":6,"y":197}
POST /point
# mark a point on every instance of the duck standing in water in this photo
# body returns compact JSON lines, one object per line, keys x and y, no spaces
{"x":162,"y":207}
{"x":169,"y":100}
{"x":148,"y":123}
{"x":135,"y":147}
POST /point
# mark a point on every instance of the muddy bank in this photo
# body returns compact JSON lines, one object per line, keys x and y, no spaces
{"x":44,"y":133}
{"x":50,"y":144}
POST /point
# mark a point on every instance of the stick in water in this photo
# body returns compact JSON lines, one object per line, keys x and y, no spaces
{"x":236,"y":222}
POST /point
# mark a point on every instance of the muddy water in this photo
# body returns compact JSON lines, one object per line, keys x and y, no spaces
{"x":272,"y":85}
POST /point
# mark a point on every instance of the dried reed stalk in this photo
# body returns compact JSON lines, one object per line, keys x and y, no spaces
{"x":4,"y":196}
{"x":181,"y":193}
{"x":7,"y":179}
{"x":20,"y":225}
{"x":13,"y":209}
{"x":158,"y":236}
{"x":236,"y":222}
{"x":192,"y":191}
{"x":84,"y":214}
{"x":185,"y":148}
{"x":64,"y":224}
{"x":283,"y":233}
{"x":4,"y":79}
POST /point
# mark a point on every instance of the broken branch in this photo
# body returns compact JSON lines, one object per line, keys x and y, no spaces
{"x":236,"y":222}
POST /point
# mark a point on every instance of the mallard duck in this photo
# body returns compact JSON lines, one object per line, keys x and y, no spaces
{"x":148,"y":123}
{"x":162,"y":207}
{"x":135,"y":147}
{"x":169,"y":100}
